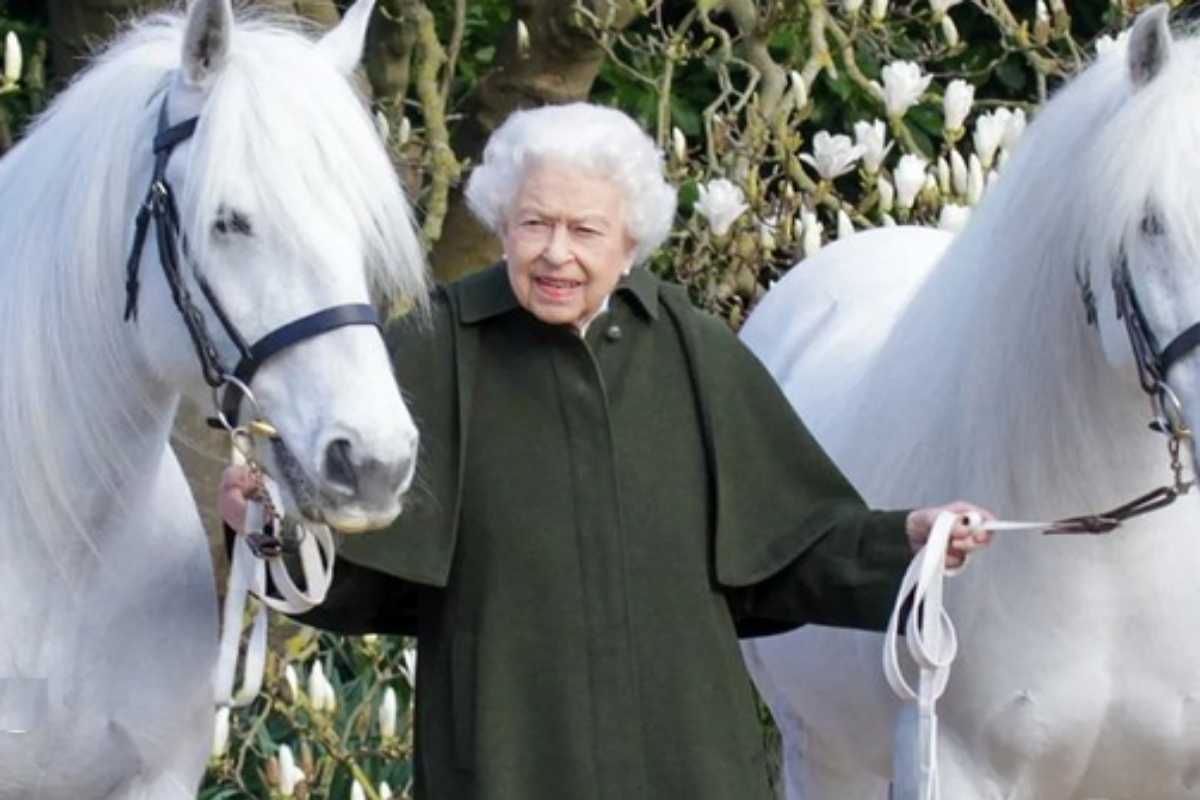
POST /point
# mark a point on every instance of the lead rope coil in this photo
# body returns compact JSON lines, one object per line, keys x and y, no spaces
{"x":933,"y":645}
{"x":247,"y":585}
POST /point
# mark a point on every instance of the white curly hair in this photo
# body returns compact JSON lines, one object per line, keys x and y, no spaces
{"x":581,"y":135}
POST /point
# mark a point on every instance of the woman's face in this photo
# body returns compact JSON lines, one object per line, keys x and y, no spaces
{"x":565,"y":243}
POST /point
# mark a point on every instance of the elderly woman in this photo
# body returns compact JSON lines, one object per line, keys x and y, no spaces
{"x":612,"y":491}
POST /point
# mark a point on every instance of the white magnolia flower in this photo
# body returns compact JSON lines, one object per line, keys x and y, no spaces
{"x":879,"y":9}
{"x":721,"y":203}
{"x":798,"y":89}
{"x":942,"y":6}
{"x":405,"y":132}
{"x":844,"y":226}
{"x":887,"y":195}
{"x":974,"y":180}
{"x":385,"y":791}
{"x":1107,"y":44}
{"x":953,"y":217}
{"x":903,"y":85}
{"x":958,"y":173}
{"x":832,"y":155}
{"x":13,"y":61}
{"x":408,"y":666}
{"x":289,"y":773}
{"x":293,"y":682}
{"x":943,"y":176}
{"x":320,"y":690}
{"x":678,"y":144}
{"x":221,"y":732}
{"x":910,"y":178}
{"x":810,"y":243}
{"x":851,"y":6}
{"x":989,"y":133}
{"x":1014,"y":129}
{"x":872,"y":138}
{"x":356,"y":791}
{"x":949,"y":31}
{"x":387,"y":714}
{"x":956,"y":105}
{"x":522,"y":39}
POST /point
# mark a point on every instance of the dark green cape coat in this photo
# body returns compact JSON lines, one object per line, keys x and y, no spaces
{"x":596,"y":521}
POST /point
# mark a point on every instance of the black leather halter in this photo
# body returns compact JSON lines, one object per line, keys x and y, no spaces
{"x":160,"y":208}
{"x":1153,"y":363}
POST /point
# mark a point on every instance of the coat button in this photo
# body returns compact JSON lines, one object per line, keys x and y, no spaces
{"x":613,"y":333}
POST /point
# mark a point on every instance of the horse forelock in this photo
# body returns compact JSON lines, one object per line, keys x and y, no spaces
{"x":283,"y":120}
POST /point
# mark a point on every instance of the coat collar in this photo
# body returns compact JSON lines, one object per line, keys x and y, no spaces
{"x":488,"y":293}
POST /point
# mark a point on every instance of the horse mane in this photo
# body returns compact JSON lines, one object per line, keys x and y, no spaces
{"x":1001,"y":325}
{"x":69,"y":191}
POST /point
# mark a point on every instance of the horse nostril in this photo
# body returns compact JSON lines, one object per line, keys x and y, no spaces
{"x":339,"y":467}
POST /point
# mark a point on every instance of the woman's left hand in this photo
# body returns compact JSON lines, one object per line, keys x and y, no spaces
{"x":964,"y":539}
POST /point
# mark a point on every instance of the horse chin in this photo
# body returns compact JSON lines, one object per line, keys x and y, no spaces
{"x":347,"y":522}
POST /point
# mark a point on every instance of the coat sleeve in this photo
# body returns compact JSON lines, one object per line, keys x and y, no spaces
{"x":793,"y":542}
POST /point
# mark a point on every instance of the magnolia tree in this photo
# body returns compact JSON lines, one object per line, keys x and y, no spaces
{"x":785,"y":123}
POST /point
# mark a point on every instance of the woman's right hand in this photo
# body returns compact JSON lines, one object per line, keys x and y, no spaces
{"x":236,"y":482}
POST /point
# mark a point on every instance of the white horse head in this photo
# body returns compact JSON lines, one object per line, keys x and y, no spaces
{"x":289,"y":205}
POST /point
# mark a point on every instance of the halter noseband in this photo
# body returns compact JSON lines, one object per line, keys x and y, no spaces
{"x":1153,"y":364}
{"x":160,"y":208}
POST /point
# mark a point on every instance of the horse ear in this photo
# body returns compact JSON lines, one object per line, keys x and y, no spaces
{"x":343,"y":45}
{"x":206,"y":39}
{"x":1149,"y":45}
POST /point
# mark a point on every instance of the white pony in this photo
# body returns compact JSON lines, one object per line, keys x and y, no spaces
{"x":289,"y":204}
{"x":985,"y":374}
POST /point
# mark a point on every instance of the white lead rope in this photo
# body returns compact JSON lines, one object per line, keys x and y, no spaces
{"x":248,"y":576}
{"x":933,"y":645}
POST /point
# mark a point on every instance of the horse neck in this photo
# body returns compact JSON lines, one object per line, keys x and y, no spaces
{"x":83,"y":435}
{"x":1033,"y":419}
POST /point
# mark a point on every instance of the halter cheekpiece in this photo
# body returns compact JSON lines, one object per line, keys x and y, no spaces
{"x":161,"y":208}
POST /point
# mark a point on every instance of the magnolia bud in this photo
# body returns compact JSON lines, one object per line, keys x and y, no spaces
{"x":974,"y":180}
{"x":679,"y":145}
{"x":943,"y":175}
{"x":221,"y":732}
{"x":522,"y":39}
{"x":949,"y":31}
{"x":385,"y":791}
{"x":844,"y":226}
{"x":387,"y":714}
{"x":13,"y":61}
{"x":356,"y":791}
{"x":879,"y":9}
{"x":958,"y":173}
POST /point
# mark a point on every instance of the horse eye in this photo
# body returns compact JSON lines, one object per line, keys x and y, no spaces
{"x":1152,"y":225}
{"x":233,"y":221}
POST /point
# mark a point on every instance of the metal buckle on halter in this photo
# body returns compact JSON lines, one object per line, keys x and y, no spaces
{"x":257,"y":426}
{"x":1168,"y":412}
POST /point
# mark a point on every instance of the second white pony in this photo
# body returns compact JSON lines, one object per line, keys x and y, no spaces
{"x":997,"y":371}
